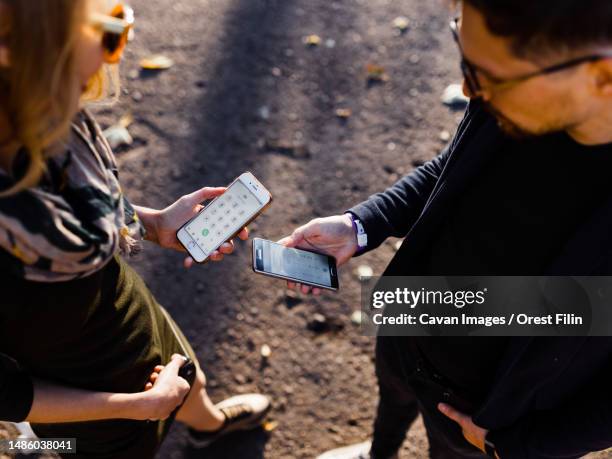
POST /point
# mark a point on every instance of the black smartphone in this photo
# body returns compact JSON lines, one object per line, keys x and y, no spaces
{"x":297,"y":265}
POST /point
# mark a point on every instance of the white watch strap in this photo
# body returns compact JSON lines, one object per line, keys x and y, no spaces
{"x":362,"y":237}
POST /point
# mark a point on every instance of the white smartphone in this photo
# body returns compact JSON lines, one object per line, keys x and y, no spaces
{"x":296,"y":265}
{"x":244,"y":199}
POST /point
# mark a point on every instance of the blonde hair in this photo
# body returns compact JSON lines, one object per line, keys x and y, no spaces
{"x":39,"y":89}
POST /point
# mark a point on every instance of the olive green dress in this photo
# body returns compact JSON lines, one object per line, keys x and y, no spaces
{"x":105,"y":333}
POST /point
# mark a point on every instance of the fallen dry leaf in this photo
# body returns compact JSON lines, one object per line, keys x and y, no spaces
{"x":312,"y":40}
{"x":156,"y":62}
{"x":344,"y":113}
{"x":269,"y":426}
{"x":376,"y":73}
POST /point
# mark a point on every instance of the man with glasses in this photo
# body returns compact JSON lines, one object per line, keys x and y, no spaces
{"x":524,"y":188}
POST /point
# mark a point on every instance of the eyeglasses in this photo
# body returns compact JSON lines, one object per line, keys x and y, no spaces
{"x":471,"y":70}
{"x":117,"y":30}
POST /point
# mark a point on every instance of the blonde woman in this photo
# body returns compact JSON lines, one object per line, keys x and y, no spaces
{"x":81,"y":336}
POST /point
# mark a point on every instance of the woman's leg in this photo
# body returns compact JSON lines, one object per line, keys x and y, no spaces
{"x":198,"y":411}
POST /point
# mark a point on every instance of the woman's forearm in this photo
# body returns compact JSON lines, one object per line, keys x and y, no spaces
{"x":54,"y":403}
{"x":148,"y":217}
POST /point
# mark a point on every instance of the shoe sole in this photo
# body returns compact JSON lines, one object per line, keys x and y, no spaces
{"x":249,"y":426}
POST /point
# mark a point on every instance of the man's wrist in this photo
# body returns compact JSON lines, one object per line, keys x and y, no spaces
{"x":361,"y":237}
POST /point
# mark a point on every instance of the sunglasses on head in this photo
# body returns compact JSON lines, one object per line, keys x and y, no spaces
{"x":117,"y":29}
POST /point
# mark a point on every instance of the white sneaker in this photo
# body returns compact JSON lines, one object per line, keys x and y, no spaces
{"x":358,"y":451}
{"x":242,"y":412}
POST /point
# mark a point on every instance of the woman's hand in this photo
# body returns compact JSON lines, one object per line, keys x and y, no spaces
{"x":165,"y":391}
{"x":162,"y":225}
{"x":55,"y":403}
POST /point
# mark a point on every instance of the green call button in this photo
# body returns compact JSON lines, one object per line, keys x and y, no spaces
{"x":205,"y":232}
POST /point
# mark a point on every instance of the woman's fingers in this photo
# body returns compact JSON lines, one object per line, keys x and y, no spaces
{"x":216,"y":256}
{"x":227,"y":247}
{"x":244,"y":233}
{"x":188,"y":262}
{"x":205,"y":193}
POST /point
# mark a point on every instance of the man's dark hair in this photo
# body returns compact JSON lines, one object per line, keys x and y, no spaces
{"x":537,"y":27}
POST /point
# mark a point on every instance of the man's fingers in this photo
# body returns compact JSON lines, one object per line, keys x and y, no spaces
{"x":452,"y":413}
{"x":316,"y":291}
{"x":244,"y":233}
{"x":305,"y":289}
{"x":148,"y":386}
{"x":291,"y":285}
{"x":293,"y":240}
{"x":158,"y":368}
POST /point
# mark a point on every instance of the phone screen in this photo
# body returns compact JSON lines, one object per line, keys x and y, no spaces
{"x":296,"y":264}
{"x":223,"y":217}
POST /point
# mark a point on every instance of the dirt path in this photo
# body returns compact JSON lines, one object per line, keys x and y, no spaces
{"x":242,"y":81}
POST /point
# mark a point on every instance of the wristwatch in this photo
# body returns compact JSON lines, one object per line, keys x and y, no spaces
{"x":490,"y":448}
{"x":362,"y":237}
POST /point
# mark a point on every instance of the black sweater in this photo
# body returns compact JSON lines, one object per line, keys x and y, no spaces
{"x":550,"y":397}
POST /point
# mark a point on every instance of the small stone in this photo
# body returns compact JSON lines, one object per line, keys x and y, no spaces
{"x":136,"y":96}
{"x":453,"y":96}
{"x":318,"y":323}
{"x":133,"y":74}
{"x":330,"y":43}
{"x":266,"y":351}
{"x":445,"y":136}
{"x":356,"y":317}
{"x":391,"y":146}
{"x":364,"y":271}
{"x":401,"y":23}
{"x":264,"y":112}
{"x":287,"y":389}
{"x":240,"y":379}
{"x":414,"y":59}
{"x":276,"y":72}
{"x":176,"y":173}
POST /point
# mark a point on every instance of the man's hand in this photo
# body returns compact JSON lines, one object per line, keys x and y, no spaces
{"x":472,"y":433}
{"x":333,"y":236}
{"x":162,"y":225}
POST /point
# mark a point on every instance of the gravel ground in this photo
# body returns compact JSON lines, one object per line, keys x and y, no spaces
{"x":245,"y":93}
